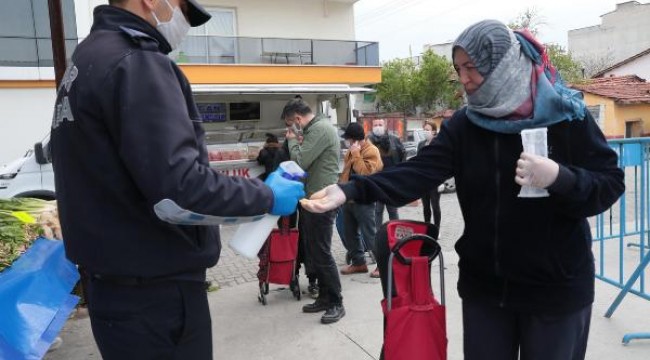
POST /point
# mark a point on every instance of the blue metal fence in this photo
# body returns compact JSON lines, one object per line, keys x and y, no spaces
{"x":621,"y":235}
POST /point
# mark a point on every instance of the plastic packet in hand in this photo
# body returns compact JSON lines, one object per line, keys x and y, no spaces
{"x":534,"y":142}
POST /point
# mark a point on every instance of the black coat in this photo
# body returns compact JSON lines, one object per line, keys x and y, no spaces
{"x":270,"y":157}
{"x":126,"y":135}
{"x":520,"y":253}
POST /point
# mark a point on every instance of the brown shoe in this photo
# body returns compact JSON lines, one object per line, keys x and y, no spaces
{"x":375,"y":273}
{"x":354,"y":269}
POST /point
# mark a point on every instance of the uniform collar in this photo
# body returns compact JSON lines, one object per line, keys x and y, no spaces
{"x":108,"y":17}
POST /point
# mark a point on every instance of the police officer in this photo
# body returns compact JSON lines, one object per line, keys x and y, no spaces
{"x":126,"y":138}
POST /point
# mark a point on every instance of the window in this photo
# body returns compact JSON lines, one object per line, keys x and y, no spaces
{"x":25,"y":37}
{"x":598,"y":113}
{"x":218,"y":112}
{"x":244,"y":111}
{"x":212,"y":42}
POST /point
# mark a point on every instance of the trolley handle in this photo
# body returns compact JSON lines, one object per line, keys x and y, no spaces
{"x":424,"y":238}
{"x":396,"y":254}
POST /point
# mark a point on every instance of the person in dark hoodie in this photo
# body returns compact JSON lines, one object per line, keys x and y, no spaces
{"x":127,"y":144}
{"x":526,"y":275}
{"x":271,"y":155}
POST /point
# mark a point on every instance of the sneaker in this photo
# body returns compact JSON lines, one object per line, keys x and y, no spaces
{"x":333,"y":314}
{"x":354,"y":269}
{"x":312,"y":290}
{"x":316,"y":306}
{"x":375,"y":273}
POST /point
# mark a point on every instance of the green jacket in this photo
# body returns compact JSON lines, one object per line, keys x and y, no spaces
{"x":318,"y":154}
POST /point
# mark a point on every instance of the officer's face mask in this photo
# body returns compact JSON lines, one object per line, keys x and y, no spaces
{"x":175,"y":29}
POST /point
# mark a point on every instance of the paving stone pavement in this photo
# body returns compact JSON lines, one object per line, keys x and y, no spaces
{"x":234,"y":269}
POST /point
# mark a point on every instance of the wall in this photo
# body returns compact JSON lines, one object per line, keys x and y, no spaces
{"x":444,"y":49}
{"x":26,"y":118}
{"x":301,"y":19}
{"x":612,"y":127}
{"x":634,"y":112}
{"x":639,"y":67}
{"x":622,"y":33}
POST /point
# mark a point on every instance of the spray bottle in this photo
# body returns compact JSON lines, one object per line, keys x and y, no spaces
{"x":250,"y":237}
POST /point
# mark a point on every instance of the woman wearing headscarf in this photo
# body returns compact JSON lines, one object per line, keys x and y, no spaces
{"x":526,"y":270}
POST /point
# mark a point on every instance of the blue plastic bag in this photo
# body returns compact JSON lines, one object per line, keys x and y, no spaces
{"x":35,"y":300}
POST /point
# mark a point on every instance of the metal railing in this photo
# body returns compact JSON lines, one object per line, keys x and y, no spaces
{"x":16,"y":51}
{"x":621,"y":236}
{"x":253,"y":50}
{"x":37,"y":52}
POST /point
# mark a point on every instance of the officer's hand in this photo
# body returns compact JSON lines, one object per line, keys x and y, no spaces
{"x":325,"y":200}
{"x":535,"y":170}
{"x":286,"y":193}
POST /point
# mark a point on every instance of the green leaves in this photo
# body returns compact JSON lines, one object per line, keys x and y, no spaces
{"x":406,"y":85}
{"x":17,"y":228}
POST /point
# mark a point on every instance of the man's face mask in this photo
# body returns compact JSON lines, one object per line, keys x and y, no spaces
{"x":428,"y":134}
{"x":379,"y":130}
{"x":175,"y":29}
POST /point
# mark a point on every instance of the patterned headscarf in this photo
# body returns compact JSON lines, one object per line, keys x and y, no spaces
{"x":521,"y":88}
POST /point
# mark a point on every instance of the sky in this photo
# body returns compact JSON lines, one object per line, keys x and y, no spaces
{"x":402,"y":27}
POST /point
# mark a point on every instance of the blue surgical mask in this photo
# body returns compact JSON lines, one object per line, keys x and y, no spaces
{"x":175,"y":29}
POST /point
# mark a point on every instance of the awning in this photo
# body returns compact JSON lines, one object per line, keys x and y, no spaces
{"x":279,"y":89}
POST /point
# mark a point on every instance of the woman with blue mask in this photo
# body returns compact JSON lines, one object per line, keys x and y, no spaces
{"x":526,"y":271}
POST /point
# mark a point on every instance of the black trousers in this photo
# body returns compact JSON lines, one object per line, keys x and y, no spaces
{"x":317,"y":230}
{"x":493,"y":333}
{"x":431,"y":202}
{"x":303,"y":256}
{"x":165,"y":320}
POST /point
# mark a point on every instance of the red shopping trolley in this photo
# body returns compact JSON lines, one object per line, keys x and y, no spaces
{"x":278,"y":261}
{"x":414,"y":320}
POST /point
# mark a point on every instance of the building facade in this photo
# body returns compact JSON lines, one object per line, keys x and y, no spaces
{"x":620,"y":105}
{"x":638,"y":65}
{"x":622,"y":33}
{"x":286,"y":44}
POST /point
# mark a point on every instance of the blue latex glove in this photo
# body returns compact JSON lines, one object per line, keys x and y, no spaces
{"x":286,"y":193}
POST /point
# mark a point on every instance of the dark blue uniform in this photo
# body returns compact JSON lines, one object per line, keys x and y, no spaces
{"x":127,"y":134}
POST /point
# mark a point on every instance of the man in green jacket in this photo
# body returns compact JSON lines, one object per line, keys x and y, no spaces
{"x":315,"y":146}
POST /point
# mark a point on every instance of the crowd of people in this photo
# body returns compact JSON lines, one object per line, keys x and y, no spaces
{"x":526,"y":270}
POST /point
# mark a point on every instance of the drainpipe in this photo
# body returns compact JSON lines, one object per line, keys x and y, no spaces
{"x":58,"y":39}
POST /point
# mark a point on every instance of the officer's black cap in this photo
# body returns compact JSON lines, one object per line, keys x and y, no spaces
{"x":196,"y":13}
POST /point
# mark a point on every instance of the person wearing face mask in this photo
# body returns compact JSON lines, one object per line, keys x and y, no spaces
{"x":126,"y":139}
{"x":362,"y":158}
{"x":392,"y":153}
{"x":526,"y":269}
{"x":431,"y":199}
{"x":318,"y":154}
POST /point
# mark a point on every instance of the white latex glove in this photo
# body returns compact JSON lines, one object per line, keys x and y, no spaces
{"x":536,"y":171}
{"x":325,"y":200}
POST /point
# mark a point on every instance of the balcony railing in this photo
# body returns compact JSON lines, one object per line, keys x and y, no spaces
{"x":37,"y":52}
{"x":249,"y":50}
{"x":29,"y":51}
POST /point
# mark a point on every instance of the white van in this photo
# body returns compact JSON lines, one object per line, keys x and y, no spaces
{"x":29,"y":176}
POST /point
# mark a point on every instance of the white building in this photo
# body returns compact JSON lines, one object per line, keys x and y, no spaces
{"x":276,"y":42}
{"x":638,"y":65}
{"x":622,"y":33}
{"x":442,"y":49}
